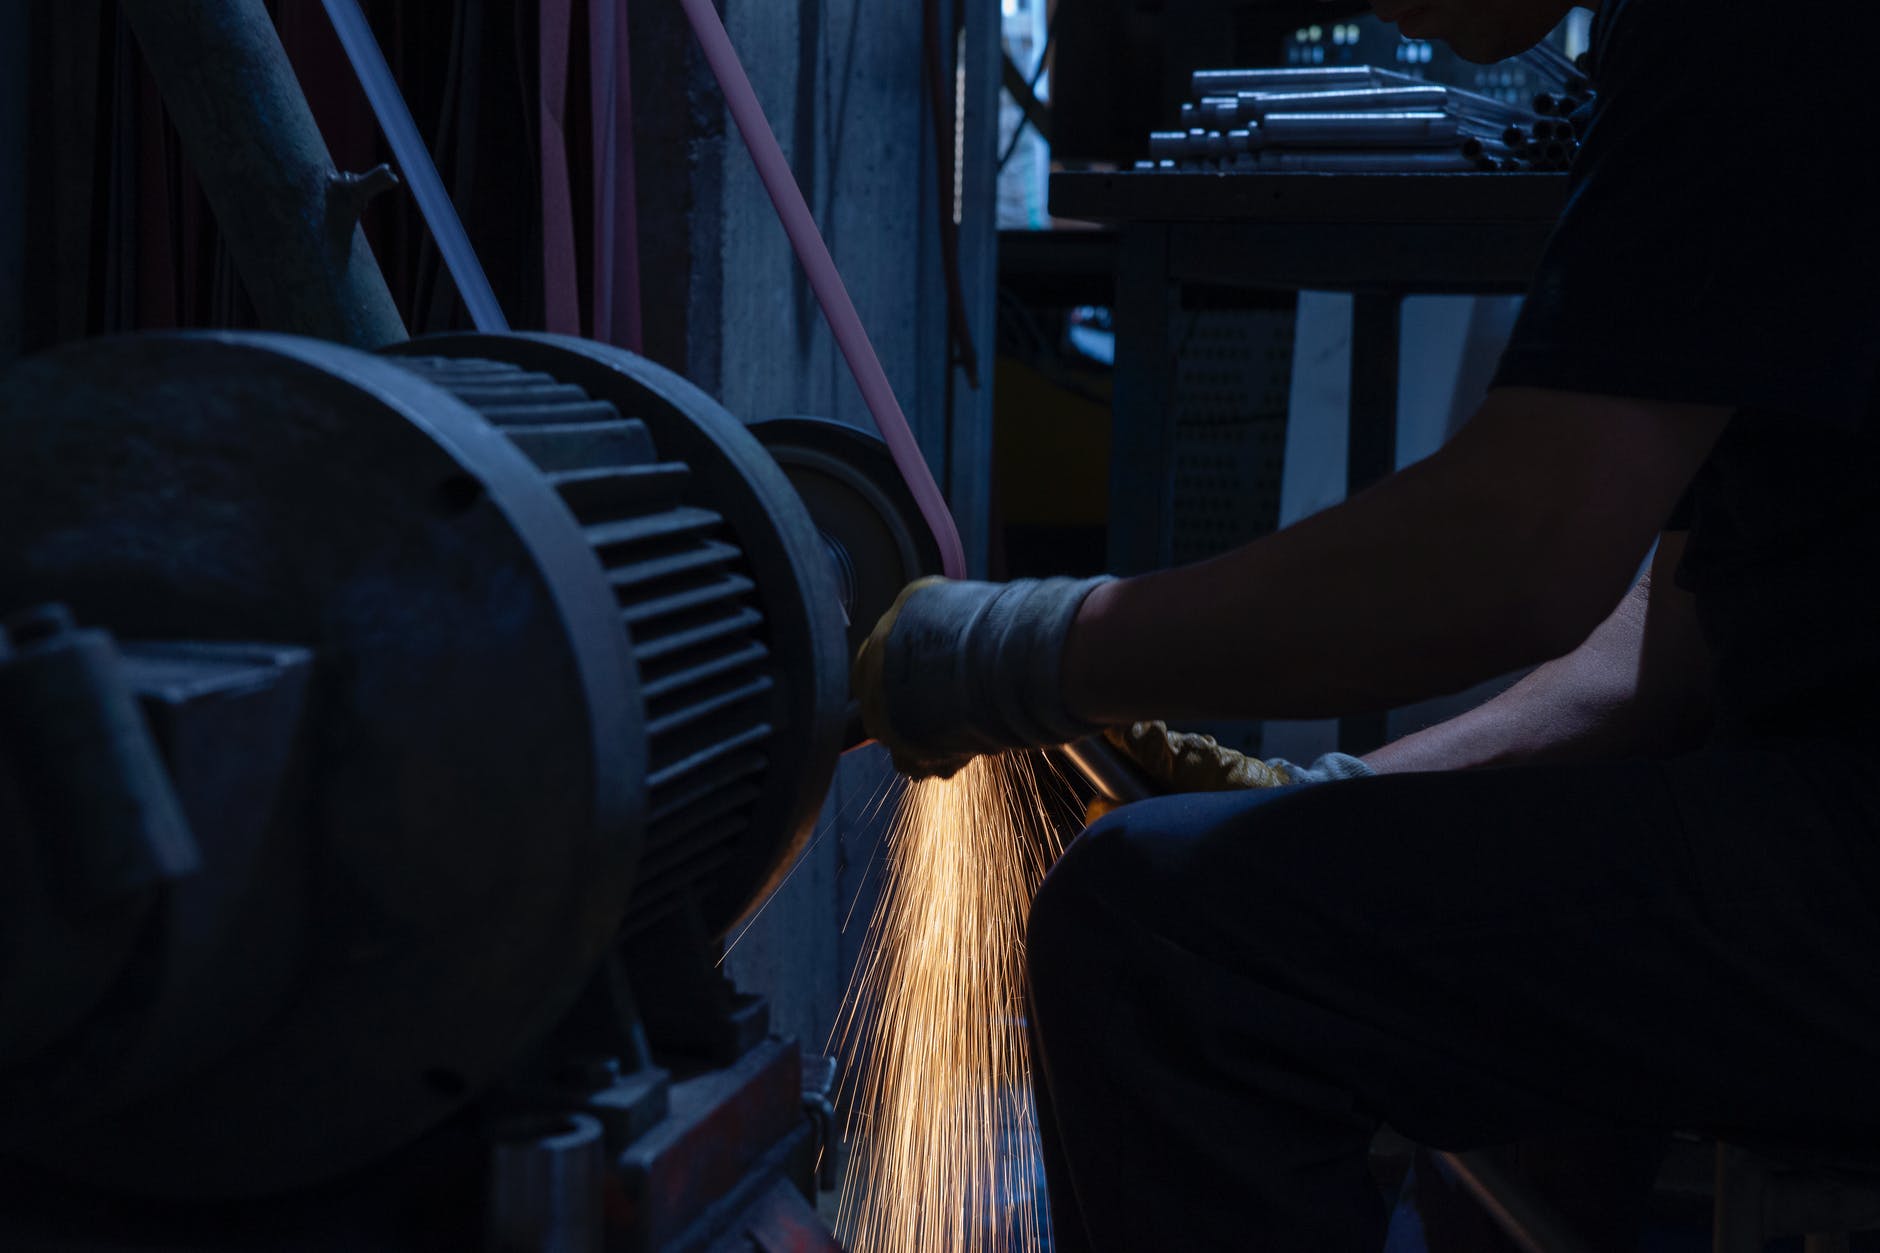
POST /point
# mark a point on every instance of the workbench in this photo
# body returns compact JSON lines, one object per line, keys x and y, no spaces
{"x":1380,"y":237}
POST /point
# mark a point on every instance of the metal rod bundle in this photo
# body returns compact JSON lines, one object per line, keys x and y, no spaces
{"x":1328,"y":78}
{"x":1360,"y":130}
{"x":1353,"y":118}
{"x":1550,"y":62}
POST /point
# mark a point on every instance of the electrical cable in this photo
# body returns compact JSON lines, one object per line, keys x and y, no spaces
{"x":824,"y":279}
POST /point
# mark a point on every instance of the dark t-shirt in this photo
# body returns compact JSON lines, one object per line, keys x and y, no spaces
{"x":1722,"y":246}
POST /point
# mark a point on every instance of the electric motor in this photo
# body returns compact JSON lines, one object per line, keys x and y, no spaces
{"x":468,"y":663}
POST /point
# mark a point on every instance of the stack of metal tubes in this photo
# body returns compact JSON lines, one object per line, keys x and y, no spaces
{"x":1362,"y":119}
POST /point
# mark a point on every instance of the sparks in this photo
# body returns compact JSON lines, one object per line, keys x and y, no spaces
{"x":945,"y":1154}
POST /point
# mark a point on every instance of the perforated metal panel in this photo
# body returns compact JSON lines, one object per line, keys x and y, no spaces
{"x":1232,"y":381}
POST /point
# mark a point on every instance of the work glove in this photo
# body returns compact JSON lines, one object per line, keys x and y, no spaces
{"x":1180,"y":761}
{"x":955,"y":670}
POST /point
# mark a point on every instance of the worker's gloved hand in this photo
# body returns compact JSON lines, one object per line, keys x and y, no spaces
{"x":956,"y":670}
{"x":1181,"y":761}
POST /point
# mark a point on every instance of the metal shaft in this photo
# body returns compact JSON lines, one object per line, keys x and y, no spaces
{"x":290,"y":220}
{"x":1109,"y":771}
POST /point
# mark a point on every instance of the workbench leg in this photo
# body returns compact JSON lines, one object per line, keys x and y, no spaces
{"x":1142,"y":423}
{"x":1371,"y":453}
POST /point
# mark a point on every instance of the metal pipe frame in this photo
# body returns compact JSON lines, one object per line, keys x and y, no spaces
{"x":290,"y":218}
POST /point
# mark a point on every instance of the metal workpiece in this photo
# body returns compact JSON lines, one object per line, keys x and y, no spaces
{"x":1522,"y":1215}
{"x":288,"y":217}
{"x":1257,"y":105}
{"x":1168,"y":145}
{"x":1220,"y":111}
{"x":1355,"y":119}
{"x":547,"y":1175}
{"x":1478,"y":147}
{"x":1548,"y":104}
{"x":1366,"y":130}
{"x":1402,"y":161}
{"x":1110,"y":771}
{"x":1329,"y":78}
{"x":1551,"y":63}
{"x":1476,"y":107}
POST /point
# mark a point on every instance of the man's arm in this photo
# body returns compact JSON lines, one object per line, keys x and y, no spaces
{"x":1640,"y":683}
{"x":1504,"y":549}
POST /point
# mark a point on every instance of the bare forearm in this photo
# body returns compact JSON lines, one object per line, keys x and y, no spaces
{"x":1573,"y":708}
{"x":1431,"y":581}
{"x":1505,"y":549}
{"x":1639,"y":684}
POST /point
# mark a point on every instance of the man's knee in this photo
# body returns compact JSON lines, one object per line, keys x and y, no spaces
{"x":1058,"y":928}
{"x":1238,"y":874}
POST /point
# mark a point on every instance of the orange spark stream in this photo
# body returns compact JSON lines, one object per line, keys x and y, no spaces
{"x":943,"y":1134}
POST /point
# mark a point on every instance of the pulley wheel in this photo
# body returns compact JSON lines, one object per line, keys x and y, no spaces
{"x":871,"y":525}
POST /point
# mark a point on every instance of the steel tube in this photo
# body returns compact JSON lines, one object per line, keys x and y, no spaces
{"x":290,"y":221}
{"x":1474,"y":146}
{"x":1169,"y":145}
{"x":1256,"y":105}
{"x":1229,"y":82}
{"x":1401,"y":161}
{"x":1549,"y":61}
{"x":1366,"y":130}
{"x":1116,"y":778}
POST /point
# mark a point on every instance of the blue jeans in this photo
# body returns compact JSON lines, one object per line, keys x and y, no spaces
{"x":1231,"y":992}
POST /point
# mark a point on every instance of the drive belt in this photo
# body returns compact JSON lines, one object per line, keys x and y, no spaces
{"x":414,"y":161}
